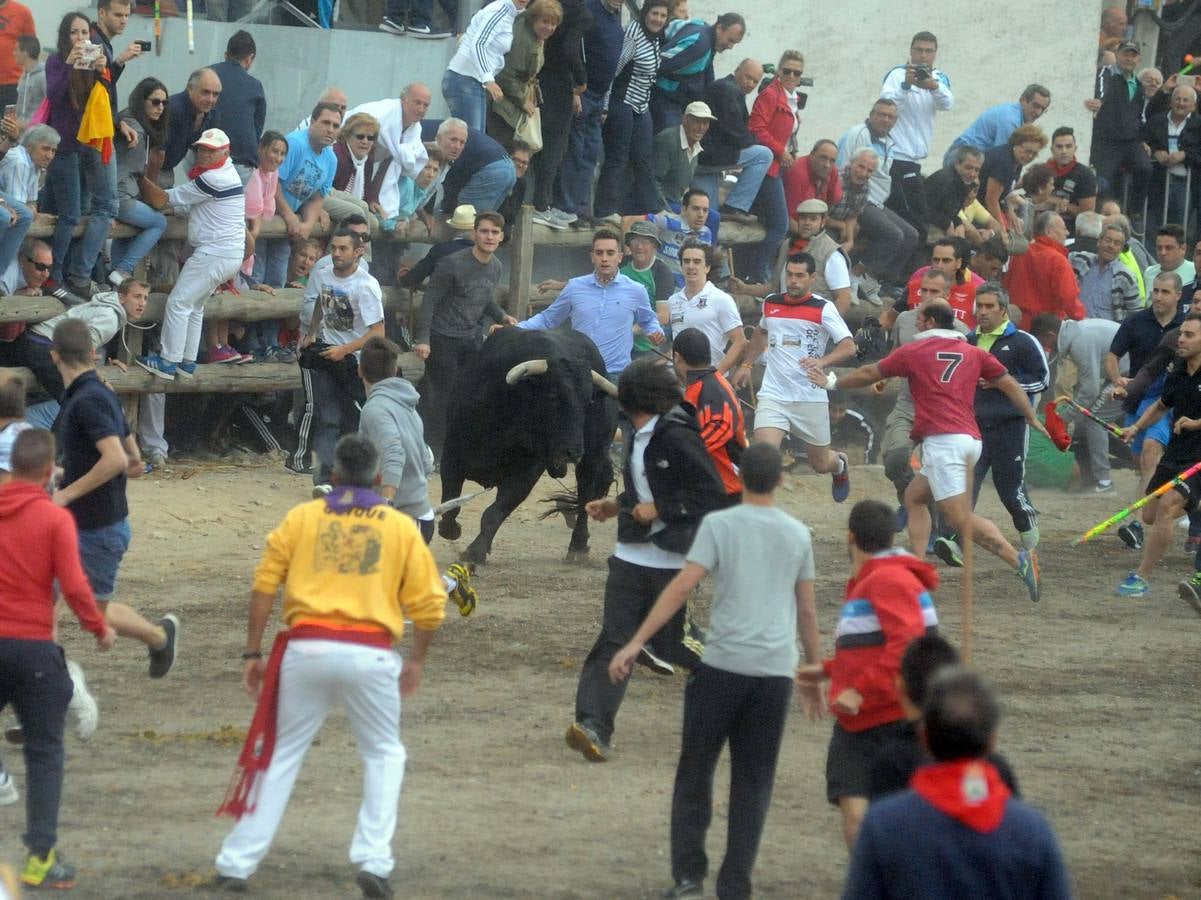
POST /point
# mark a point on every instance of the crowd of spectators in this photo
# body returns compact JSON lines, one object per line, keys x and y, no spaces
{"x":592,"y":121}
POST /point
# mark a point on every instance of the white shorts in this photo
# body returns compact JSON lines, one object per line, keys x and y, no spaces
{"x":808,"y":420}
{"x":945,"y":458}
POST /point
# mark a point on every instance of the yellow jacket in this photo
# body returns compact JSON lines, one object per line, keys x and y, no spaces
{"x":354,"y":568}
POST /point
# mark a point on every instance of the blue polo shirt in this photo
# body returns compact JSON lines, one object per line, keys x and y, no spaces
{"x":606,"y":313}
{"x":992,"y":127}
{"x":90,"y":413}
{"x":1139,"y":334}
{"x":672,"y":235}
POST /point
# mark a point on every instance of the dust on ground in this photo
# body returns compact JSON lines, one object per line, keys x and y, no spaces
{"x":1102,"y":718}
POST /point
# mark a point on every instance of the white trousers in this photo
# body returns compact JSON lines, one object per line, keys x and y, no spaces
{"x":315,"y":675}
{"x":202,"y":274}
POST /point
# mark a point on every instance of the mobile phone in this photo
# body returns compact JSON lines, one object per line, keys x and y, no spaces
{"x":145,"y":45}
{"x":10,"y":111}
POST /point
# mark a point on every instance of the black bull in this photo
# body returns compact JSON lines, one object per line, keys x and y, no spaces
{"x":530,"y":402}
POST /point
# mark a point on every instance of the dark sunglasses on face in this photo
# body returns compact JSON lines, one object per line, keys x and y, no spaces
{"x":797,"y":73}
{"x":365,"y":137}
{"x":41,"y":267}
{"x":156,"y":101}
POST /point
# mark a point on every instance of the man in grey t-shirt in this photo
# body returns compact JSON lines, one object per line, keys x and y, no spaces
{"x":459,"y":298}
{"x":762,"y":563}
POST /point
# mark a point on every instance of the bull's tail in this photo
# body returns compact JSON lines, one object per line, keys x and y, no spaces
{"x":566,"y":504}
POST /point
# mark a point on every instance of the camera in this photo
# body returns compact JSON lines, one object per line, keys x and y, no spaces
{"x":921,"y":73}
{"x":805,"y":82}
{"x":145,"y":45}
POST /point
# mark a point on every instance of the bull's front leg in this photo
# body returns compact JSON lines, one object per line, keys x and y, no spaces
{"x":510,"y":494}
{"x":593,"y":474}
{"x":452,"y":475}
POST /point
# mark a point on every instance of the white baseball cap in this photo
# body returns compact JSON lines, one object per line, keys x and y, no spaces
{"x":213,"y":139}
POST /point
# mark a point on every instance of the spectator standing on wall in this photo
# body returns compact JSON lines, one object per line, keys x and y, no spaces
{"x":31,"y":86}
{"x":16,"y":22}
{"x":920,"y":91}
{"x":518,"y":79}
{"x":686,"y":68}
{"x":470,"y":77}
{"x":1117,"y":108}
{"x":190,"y":113}
{"x":242,"y":107}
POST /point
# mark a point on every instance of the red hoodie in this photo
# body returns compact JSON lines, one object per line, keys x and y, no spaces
{"x":887,"y":605}
{"x":38,"y":544}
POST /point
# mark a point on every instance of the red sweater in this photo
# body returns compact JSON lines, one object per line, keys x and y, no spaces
{"x":887,"y":605}
{"x":772,"y":122}
{"x":1041,"y":280}
{"x":38,"y":544}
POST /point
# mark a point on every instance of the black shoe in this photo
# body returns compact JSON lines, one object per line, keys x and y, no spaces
{"x":685,"y":888}
{"x":62,"y":294}
{"x":741,"y":217}
{"x":230,"y":884}
{"x":299,"y":470}
{"x":162,"y":659}
{"x":1132,"y":535}
{"x":947,"y":549}
{"x":373,"y":886}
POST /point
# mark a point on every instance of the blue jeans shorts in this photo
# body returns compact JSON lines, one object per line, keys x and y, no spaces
{"x":100,"y":551}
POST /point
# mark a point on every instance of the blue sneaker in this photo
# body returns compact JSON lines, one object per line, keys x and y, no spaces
{"x":840,"y":485}
{"x":1028,"y":572}
{"x":186,"y":369}
{"x":156,"y":365}
{"x":1134,"y":586}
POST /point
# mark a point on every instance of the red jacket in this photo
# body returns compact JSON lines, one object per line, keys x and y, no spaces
{"x":887,"y":605}
{"x":772,"y":122}
{"x":38,"y":545}
{"x":1041,"y":280}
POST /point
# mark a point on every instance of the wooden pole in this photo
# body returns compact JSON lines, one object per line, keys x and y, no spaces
{"x":521,"y":264}
{"x":969,"y":554}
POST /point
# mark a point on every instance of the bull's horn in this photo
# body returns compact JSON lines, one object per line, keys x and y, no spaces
{"x":525,"y":369}
{"x":600,"y":381}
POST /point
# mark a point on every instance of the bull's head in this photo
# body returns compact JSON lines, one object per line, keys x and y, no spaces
{"x":560,"y":403}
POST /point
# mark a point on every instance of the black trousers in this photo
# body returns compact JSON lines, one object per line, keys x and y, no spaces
{"x":908,"y":198}
{"x":1004,"y":451}
{"x":1108,"y":159}
{"x":34,"y":679}
{"x":749,"y":712}
{"x":447,"y":356}
{"x":630,"y":592}
{"x":556,"y":131}
{"x":33,"y":354}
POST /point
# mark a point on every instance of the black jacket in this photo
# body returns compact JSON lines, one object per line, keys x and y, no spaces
{"x":564,"y":51}
{"x":728,"y":135}
{"x":1023,"y":356}
{"x":683,"y":482}
{"x":945,"y":193}
{"x":1155,"y":134}
{"x":1120,"y":118}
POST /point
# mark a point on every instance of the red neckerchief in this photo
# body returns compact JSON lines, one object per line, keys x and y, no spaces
{"x":968,"y":790}
{"x":1060,"y":172}
{"x":799,"y":245}
{"x":255,"y":758}
{"x":196,"y":171}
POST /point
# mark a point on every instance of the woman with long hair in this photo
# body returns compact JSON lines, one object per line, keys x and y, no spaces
{"x":71,"y":73}
{"x":146,"y":114}
{"x":628,"y":132}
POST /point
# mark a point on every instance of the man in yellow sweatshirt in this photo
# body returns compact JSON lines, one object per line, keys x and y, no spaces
{"x":352,"y":569}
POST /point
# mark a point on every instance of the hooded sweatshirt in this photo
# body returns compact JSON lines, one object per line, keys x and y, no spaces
{"x":38,"y":545}
{"x":389,"y":418}
{"x":887,"y":605}
{"x":103,"y":314}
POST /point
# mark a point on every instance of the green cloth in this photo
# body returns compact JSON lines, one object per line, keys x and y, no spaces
{"x":1046,"y":464}
{"x":1131,"y":84}
{"x":985,"y":339}
{"x":646,"y":278}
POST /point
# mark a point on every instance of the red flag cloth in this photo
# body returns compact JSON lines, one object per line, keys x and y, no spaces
{"x":1056,"y":428}
{"x":259,"y":747}
{"x":968,"y":790}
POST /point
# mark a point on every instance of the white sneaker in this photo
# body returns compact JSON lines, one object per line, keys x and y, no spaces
{"x":83,"y":704}
{"x":8,"y":790}
{"x":869,"y":288}
{"x":565,"y":217}
{"x":547,"y":218}
{"x":322,"y":490}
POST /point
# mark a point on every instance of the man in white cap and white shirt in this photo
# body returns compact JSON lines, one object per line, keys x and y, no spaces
{"x":675,"y":152}
{"x":216,"y":208}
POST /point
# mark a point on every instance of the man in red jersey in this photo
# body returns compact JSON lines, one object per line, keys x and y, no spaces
{"x":943,"y":371}
{"x":951,"y":255}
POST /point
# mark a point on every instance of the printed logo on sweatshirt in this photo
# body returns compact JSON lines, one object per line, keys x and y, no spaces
{"x":348,"y":548}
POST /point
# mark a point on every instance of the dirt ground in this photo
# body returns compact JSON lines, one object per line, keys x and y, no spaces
{"x":1102,"y":725}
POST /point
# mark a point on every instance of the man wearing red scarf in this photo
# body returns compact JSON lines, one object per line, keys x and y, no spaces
{"x":958,"y":831}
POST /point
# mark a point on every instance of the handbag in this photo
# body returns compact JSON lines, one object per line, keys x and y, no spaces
{"x":529,"y":126}
{"x":41,"y":116}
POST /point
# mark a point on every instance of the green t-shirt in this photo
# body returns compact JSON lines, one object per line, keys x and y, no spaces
{"x":659,"y":284}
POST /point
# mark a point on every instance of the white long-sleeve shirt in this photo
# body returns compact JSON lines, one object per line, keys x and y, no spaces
{"x":216,"y":205}
{"x":482,"y":50}
{"x":915,"y":112}
{"x":402,"y":143}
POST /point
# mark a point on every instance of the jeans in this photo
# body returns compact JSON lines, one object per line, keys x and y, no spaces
{"x":755,"y":161}
{"x":627,"y":176}
{"x":15,"y":226}
{"x":749,"y":712}
{"x":34,"y":680}
{"x":271,"y":256}
{"x":466,"y":99}
{"x":556,"y":133}
{"x":411,"y":12}
{"x":128,"y":252}
{"x":574,"y":193}
{"x":335,"y":413}
{"x":630,"y":592}
{"x":67,"y":175}
{"x":490,"y":186}
{"x":772,"y":211}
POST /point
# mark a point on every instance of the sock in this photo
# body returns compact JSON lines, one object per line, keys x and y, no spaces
{"x":1030,"y":538}
{"x":842,"y":466}
{"x":449,"y":584}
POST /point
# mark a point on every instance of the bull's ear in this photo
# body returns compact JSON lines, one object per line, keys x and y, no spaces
{"x":601,"y":382}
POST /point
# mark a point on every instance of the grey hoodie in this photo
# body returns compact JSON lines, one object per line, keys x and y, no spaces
{"x":389,"y":418}
{"x":103,"y":314}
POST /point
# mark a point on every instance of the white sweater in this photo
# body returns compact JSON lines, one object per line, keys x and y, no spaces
{"x":482,"y":50}
{"x":216,"y":207}
{"x":915,"y":112}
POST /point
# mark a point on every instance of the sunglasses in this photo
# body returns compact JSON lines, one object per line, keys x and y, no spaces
{"x":156,"y":101}
{"x":41,"y":267}
{"x":365,"y":137}
{"x":796,"y":73}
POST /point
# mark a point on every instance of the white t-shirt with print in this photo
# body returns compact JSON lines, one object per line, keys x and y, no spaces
{"x":711,"y":310}
{"x":349,"y":306}
{"x":797,"y":331}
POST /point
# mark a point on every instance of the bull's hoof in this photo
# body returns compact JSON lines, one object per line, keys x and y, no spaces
{"x":475,"y":557}
{"x":569,"y":516}
{"x":450,"y":529}
{"x":576,"y":555}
